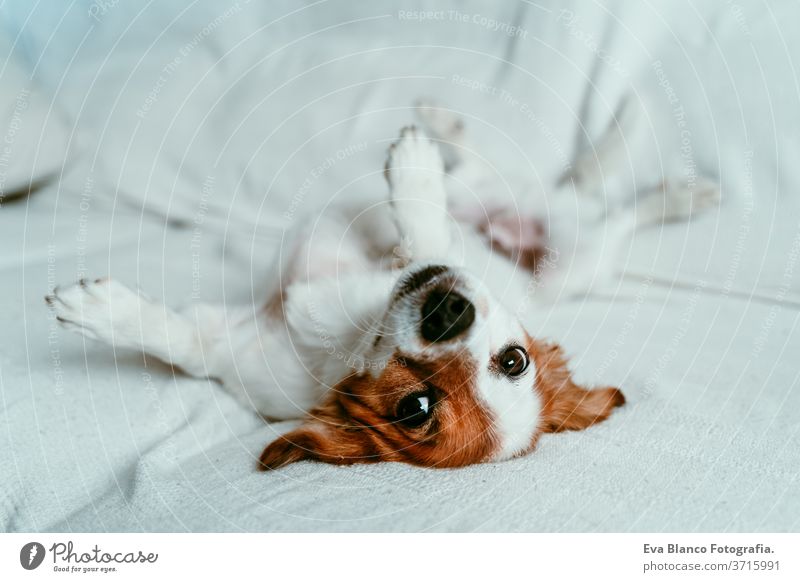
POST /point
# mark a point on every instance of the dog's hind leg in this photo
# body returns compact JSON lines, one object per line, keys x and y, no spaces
{"x":675,"y":200}
{"x":584,"y":252}
{"x":604,"y":170}
{"x":446,"y":127}
{"x":467,"y":173}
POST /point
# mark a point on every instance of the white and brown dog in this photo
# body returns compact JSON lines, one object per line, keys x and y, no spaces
{"x":392,"y":329}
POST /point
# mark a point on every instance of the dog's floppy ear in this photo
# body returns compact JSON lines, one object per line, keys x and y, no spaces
{"x":325,"y":436}
{"x":565,"y":405}
{"x":315,"y":442}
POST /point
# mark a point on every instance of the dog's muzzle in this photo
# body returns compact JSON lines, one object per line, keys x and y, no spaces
{"x":445,"y":313}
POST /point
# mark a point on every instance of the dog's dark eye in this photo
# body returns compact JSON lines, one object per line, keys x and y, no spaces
{"x":414,"y":410}
{"x":514,"y":361}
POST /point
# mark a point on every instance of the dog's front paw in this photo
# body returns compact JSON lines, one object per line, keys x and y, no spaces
{"x":415,"y":172}
{"x":414,"y":161}
{"x":100,"y":309}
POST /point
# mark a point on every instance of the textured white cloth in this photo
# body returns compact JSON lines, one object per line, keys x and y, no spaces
{"x":231,"y":119}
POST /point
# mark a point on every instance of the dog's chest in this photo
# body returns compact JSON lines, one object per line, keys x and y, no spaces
{"x":332,"y":321}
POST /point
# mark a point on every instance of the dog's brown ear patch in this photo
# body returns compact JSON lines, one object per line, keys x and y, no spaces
{"x":576,"y":408}
{"x":287,"y":449}
{"x":331,"y":445}
{"x":326,"y":436}
{"x":565,"y":405}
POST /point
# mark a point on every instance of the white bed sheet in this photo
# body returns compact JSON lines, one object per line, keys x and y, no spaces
{"x":700,"y":332}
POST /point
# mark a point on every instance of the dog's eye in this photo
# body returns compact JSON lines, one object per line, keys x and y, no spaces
{"x":414,"y":410}
{"x":514,"y":361}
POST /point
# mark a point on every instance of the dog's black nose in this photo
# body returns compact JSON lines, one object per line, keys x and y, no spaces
{"x":445,"y":315}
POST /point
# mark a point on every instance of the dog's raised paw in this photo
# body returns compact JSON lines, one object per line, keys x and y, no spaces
{"x":687,"y":199}
{"x":97,"y":308}
{"x":706,"y":194}
{"x":413,"y":160}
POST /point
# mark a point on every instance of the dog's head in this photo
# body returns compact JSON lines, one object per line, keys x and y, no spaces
{"x":454,"y":380}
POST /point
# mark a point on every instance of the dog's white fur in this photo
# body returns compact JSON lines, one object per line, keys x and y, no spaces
{"x":330,"y":311}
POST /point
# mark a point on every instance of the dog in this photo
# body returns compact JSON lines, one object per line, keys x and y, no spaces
{"x":392,"y":329}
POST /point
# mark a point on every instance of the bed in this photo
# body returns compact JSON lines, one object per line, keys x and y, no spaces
{"x":193,"y":134}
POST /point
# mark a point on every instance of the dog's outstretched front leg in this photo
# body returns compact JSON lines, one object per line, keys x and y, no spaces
{"x":107,"y":311}
{"x":415,"y":172}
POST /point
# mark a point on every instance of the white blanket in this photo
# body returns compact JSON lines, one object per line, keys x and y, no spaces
{"x":212,"y":126}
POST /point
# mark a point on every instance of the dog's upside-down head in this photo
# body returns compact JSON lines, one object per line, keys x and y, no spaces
{"x":459,"y":381}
